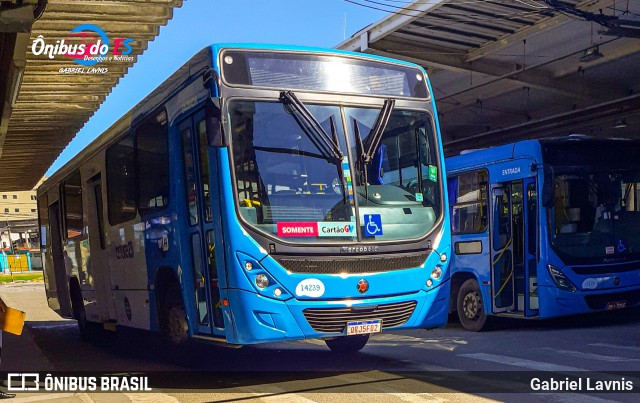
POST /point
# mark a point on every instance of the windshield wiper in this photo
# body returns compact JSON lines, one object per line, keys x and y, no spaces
{"x":375,"y":135}
{"x":327,"y":145}
{"x":361,"y":165}
{"x":366,"y":151}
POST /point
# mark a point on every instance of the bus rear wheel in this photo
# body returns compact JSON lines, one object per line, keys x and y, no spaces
{"x":470,"y":306}
{"x":347,"y":344}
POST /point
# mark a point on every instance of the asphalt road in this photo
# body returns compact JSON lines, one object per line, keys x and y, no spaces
{"x":447,"y":364}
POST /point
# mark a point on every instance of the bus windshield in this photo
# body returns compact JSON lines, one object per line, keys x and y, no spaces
{"x":295,"y":182}
{"x":596,"y":214}
{"x":593,"y":208}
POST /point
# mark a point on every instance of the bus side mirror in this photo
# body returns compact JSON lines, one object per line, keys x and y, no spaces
{"x":213,"y":119}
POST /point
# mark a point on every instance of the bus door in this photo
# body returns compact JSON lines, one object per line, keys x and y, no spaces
{"x":61,"y":272}
{"x":198,"y":181}
{"x":502,"y":284}
{"x":99,"y":263}
{"x":530,"y":219}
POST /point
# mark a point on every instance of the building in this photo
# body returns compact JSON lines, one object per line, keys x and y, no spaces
{"x":19,"y":221}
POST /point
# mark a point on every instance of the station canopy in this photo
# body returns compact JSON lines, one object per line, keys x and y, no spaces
{"x":43,"y":107}
{"x":504,"y":70}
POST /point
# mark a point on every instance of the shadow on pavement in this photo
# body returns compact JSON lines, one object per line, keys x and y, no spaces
{"x":591,"y":320}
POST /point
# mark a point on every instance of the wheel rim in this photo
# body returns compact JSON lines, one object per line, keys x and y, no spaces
{"x":471,"y":305}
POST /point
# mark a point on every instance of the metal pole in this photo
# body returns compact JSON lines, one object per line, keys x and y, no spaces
{"x":11,"y":250}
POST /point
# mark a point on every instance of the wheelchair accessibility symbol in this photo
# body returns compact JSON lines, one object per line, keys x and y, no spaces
{"x":372,"y":225}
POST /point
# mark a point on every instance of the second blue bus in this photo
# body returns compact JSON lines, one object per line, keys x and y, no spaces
{"x":545,"y":228}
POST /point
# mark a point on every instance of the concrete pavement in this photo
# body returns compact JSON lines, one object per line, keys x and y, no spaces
{"x":22,"y":354}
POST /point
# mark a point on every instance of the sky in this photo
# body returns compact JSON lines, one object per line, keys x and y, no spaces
{"x":199,"y":23}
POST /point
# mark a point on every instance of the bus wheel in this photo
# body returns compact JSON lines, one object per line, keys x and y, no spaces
{"x":174,"y":326}
{"x":470,"y":306}
{"x":79,"y":313}
{"x":347,"y":344}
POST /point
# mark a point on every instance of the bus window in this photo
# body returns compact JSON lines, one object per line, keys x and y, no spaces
{"x":468,"y":195}
{"x":73,"y":205}
{"x":121,"y":187}
{"x":152,"y":157}
{"x":400,"y":174}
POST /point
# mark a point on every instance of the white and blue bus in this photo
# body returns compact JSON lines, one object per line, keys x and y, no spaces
{"x":260,"y":194}
{"x":545,"y":228}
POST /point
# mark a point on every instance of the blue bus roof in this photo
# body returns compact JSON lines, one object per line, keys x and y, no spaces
{"x":473,"y":159}
{"x":482,"y":157}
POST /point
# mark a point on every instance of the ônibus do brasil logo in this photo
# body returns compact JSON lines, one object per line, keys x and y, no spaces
{"x":86,"y":45}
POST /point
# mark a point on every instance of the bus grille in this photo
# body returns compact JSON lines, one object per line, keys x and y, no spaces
{"x":334,"y":320}
{"x":599,"y":301}
{"x":354,"y":264}
{"x":609,"y":269}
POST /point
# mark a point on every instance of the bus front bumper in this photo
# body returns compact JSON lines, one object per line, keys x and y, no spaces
{"x":258,"y":319}
{"x":555,"y":302}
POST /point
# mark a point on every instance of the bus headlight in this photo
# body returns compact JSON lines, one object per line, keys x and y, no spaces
{"x":436,"y":273}
{"x":262,"y":281}
{"x":443,"y":257}
{"x":560,"y":279}
{"x":429,"y":283}
{"x":248,"y":266}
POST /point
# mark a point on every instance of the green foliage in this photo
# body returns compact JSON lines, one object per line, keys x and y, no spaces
{"x":33,"y":276}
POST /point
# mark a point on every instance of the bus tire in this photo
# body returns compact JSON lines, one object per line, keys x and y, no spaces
{"x":347,"y":344}
{"x":174,"y":327}
{"x":470,"y":306}
{"x":79,"y":313}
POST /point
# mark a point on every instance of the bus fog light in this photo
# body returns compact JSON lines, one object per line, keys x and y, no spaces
{"x":277,"y":292}
{"x":248,"y":266}
{"x":262,"y":281}
{"x":443,"y":257}
{"x":436,"y":273}
{"x":429,"y":283}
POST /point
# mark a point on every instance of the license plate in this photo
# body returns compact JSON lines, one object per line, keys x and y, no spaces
{"x":616,"y":305}
{"x":364,"y":327}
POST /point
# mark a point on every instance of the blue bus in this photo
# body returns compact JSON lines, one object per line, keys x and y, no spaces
{"x":260,"y":194}
{"x":545,"y":228}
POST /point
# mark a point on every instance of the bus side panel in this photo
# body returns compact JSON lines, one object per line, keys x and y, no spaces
{"x":128,"y":268}
{"x":476,"y":265}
